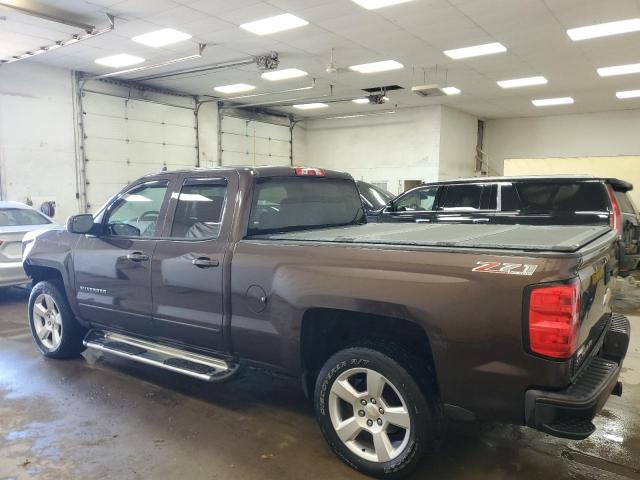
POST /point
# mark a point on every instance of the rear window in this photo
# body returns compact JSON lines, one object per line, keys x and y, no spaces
{"x":554,"y":197}
{"x":12,"y":217}
{"x":282,"y":204}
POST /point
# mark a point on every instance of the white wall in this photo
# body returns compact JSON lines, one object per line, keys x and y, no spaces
{"x":458,"y":140}
{"x":581,"y":135}
{"x":37,"y":145}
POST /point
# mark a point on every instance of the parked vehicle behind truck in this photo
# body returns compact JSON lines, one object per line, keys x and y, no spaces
{"x":392,"y":328}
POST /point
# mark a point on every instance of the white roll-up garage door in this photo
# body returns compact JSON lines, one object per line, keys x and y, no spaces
{"x":127,"y":138}
{"x":250,"y":142}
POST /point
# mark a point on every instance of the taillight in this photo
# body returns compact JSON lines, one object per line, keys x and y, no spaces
{"x":554,"y":313}
{"x":309,"y":172}
{"x":615,"y":219}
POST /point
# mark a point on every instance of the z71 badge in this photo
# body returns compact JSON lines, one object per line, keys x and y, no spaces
{"x":505,"y":268}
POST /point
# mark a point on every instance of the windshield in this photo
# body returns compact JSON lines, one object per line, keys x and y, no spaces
{"x":377,"y":197}
{"x":12,"y":217}
{"x":283,"y":204}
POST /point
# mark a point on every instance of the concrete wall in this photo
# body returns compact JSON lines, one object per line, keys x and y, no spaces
{"x":37,"y":144}
{"x":581,"y":135}
{"x":458,"y":140}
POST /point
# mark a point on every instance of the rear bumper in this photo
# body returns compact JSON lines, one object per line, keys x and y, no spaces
{"x":568,"y":413}
{"x":12,"y":273}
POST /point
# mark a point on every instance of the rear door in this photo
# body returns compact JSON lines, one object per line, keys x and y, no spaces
{"x":189,"y":262}
{"x":113,"y":268}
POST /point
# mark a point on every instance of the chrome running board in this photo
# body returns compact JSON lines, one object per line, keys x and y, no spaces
{"x":193,"y":365}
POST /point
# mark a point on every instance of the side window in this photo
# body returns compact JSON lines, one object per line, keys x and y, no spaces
{"x":625,"y":202}
{"x":489,"y":197}
{"x":199,"y":211}
{"x":136,"y":213}
{"x":461,"y":197}
{"x":509,"y":198}
{"x":417,"y":201}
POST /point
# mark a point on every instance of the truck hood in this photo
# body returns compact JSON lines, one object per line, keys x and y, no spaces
{"x":503,"y":237}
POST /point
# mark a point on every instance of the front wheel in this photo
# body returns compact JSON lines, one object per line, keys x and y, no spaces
{"x":373,"y":413}
{"x":54,"y":327}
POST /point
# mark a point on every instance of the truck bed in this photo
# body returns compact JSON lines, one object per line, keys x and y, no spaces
{"x":562,"y":239}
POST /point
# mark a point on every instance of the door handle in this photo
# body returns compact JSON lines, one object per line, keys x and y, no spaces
{"x":137,"y":257}
{"x":205,"y":262}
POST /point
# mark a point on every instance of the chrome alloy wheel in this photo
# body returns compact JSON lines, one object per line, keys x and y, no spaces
{"x":47,"y":321}
{"x":369,"y":415}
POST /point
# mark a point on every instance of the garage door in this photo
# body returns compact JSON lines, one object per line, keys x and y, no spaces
{"x":250,"y":142}
{"x":622,"y":167}
{"x":126,"y":139}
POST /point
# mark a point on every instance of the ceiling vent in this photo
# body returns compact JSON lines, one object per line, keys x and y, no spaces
{"x":433,"y":90}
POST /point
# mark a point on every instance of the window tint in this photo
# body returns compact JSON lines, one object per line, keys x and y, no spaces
{"x":509,"y":198}
{"x":462,"y":197}
{"x":552,"y":197}
{"x":199,"y":210}
{"x":295,"y":203}
{"x":625,"y":202}
{"x":136,"y":213}
{"x":417,"y":201}
{"x":10,"y":217}
{"x":489,"y":197}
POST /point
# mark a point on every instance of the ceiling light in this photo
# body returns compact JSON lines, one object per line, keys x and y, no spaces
{"x":361,"y":101}
{"x":375,"y":67}
{"x":283,"y":74}
{"x":604,"y":29}
{"x":276,"y":24}
{"x":120,"y":60}
{"x":310,"y":106}
{"x":451,"y":90}
{"x":619,"y":70}
{"x":522,"y":82}
{"x":234,"y":88}
{"x":547,"y":102}
{"x":374,"y":4}
{"x":628,"y":94}
{"x":475,"y":51}
{"x":163,"y":37}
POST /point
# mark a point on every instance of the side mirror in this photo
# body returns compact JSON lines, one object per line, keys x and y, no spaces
{"x":80,"y":223}
{"x":124,"y":230}
{"x":390,"y":207}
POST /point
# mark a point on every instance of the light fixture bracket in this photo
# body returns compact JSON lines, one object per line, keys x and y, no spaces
{"x":269,"y":61}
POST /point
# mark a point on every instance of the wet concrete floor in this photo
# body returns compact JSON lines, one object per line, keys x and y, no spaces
{"x":98,"y":417}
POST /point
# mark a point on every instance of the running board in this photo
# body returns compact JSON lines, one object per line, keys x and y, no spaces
{"x":193,"y":365}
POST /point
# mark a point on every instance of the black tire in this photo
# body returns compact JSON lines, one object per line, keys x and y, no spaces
{"x":72,"y":333}
{"x":413,"y":384}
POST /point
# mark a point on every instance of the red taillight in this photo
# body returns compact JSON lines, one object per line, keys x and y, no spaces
{"x":615,"y":220}
{"x":309,"y":172}
{"x":554,"y":313}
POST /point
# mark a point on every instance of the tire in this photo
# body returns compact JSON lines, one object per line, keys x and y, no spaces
{"x":54,"y":328}
{"x":406,"y":399}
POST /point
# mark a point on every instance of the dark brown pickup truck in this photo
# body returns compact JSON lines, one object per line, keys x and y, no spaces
{"x":392,"y":327}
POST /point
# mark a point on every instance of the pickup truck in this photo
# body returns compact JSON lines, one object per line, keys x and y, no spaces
{"x":392,"y":328}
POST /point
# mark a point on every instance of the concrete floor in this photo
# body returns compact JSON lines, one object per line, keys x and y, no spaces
{"x":101,"y":417}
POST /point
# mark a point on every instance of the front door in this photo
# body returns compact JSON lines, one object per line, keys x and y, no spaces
{"x":113,"y":268}
{"x":189,"y":265}
{"x":414,"y":206}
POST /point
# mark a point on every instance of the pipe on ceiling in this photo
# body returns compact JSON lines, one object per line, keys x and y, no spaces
{"x":215,"y":66}
{"x":47,"y":16}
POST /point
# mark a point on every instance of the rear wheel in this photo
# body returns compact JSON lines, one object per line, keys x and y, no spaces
{"x":54,"y":327}
{"x":374,"y":414}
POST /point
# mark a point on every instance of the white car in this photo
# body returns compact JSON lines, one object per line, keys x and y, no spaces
{"x":16,"y":219}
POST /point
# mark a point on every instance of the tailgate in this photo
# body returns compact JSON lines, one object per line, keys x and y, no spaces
{"x":11,"y":246}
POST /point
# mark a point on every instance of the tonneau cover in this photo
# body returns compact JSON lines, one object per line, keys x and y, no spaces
{"x":509,"y":237}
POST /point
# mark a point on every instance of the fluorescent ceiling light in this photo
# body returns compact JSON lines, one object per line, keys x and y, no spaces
{"x":310,"y":106}
{"x":120,"y":60}
{"x":522,"y":82}
{"x":234,"y":88}
{"x":451,"y":90}
{"x":619,"y":70}
{"x":360,"y":100}
{"x":276,"y":24}
{"x":475,"y":51}
{"x":374,"y":4}
{"x":628,"y":94}
{"x":375,"y":67}
{"x":604,"y":29}
{"x":547,"y":102}
{"x":163,"y":37}
{"x":283,"y":74}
